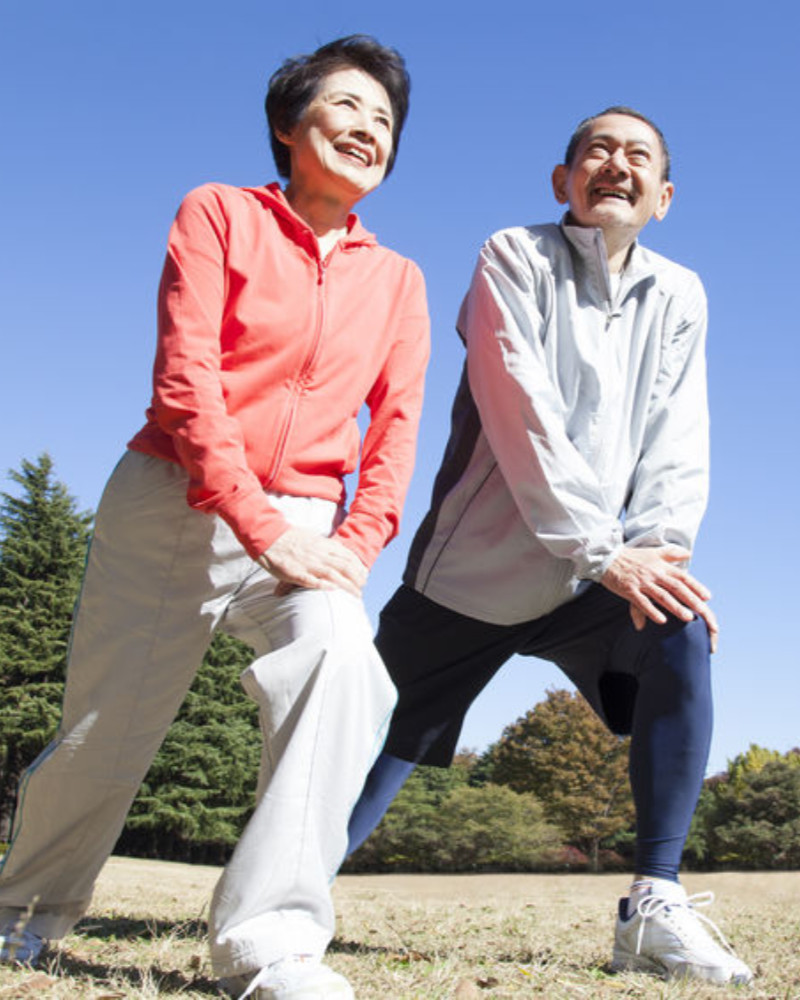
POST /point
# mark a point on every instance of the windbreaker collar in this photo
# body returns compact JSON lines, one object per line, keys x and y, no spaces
{"x":591,"y":247}
{"x":273,"y":196}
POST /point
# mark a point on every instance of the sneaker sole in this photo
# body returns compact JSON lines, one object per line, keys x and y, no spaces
{"x":640,"y":963}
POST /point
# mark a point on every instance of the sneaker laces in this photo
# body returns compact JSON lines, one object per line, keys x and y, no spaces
{"x":651,"y":905}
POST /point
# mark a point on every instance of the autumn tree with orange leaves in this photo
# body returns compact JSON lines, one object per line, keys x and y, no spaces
{"x":562,"y":753}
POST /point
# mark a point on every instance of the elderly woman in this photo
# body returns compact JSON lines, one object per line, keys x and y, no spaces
{"x":279,"y":317}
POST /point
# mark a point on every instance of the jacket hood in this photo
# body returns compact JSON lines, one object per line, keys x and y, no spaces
{"x":273,"y":196}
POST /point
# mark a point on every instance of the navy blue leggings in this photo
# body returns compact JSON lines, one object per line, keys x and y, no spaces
{"x":653,"y":684}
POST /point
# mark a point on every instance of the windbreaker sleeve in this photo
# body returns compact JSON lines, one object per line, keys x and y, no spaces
{"x":670,"y":487}
{"x":395,"y":405}
{"x":522,"y":415}
{"x":188,"y":397}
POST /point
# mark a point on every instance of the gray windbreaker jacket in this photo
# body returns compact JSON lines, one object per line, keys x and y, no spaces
{"x":580,"y":425}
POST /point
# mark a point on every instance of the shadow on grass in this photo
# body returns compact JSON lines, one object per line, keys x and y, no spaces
{"x":169,"y":981}
{"x":130,"y":929}
{"x":69,"y":964}
{"x":111,"y":929}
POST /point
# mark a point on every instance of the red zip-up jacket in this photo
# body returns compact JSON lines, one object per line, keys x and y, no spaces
{"x":266,"y":354}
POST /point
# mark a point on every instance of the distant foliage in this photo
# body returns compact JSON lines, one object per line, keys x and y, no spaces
{"x":749,"y":817}
{"x":43,"y":541}
{"x":562,"y":752}
{"x":441,"y":823}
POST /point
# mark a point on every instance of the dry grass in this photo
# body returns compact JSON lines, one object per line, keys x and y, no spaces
{"x":415,"y":938}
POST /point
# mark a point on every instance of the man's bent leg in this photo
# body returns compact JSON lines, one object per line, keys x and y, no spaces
{"x":670,"y":742}
{"x":325,"y":701}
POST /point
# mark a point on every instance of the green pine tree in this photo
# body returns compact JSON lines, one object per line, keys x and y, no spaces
{"x":43,"y":542}
{"x":199,"y":791}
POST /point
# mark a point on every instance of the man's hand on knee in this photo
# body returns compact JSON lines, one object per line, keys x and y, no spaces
{"x":299,"y":558}
{"x":654,"y":580}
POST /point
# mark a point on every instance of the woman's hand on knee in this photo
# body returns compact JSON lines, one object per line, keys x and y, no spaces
{"x":299,"y":558}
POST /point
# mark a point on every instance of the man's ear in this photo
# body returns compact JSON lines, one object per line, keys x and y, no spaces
{"x":664,"y":200}
{"x":559,"y":179}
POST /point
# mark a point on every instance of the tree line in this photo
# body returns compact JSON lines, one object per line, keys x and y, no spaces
{"x":552,"y":794}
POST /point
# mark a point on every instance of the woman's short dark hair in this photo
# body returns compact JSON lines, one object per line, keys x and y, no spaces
{"x":295,"y":84}
{"x":617,"y":109}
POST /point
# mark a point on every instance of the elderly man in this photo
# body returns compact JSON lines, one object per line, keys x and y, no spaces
{"x":564,"y":514}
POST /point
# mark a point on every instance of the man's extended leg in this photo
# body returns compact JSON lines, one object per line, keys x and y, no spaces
{"x":387,"y":777}
{"x":439,"y":660}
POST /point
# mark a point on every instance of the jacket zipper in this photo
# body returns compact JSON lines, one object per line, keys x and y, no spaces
{"x":301,"y":380}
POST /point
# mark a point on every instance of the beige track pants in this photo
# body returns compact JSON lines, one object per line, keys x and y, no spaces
{"x":160,"y":579}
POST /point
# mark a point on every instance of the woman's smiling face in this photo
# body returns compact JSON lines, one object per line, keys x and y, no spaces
{"x":340,"y":148}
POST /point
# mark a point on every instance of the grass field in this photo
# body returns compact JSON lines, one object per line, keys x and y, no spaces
{"x":417,"y":937}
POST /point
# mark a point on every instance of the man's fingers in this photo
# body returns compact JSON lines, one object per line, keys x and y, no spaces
{"x":691,"y":583}
{"x":638,"y":617}
{"x":648,"y":609}
{"x":710,"y":619}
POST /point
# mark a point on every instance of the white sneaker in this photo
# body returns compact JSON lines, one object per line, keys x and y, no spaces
{"x":298,"y":977}
{"x":20,"y":945}
{"x":666,"y":935}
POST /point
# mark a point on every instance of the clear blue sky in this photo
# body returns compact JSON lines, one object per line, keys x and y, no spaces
{"x":112,"y":110}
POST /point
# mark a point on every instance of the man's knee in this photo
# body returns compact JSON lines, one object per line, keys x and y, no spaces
{"x":682,"y":659}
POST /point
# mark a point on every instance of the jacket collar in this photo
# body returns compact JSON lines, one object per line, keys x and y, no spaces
{"x":273,"y":196}
{"x":590,"y":248}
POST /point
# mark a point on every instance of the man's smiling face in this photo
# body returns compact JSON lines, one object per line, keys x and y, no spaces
{"x":615,"y":181}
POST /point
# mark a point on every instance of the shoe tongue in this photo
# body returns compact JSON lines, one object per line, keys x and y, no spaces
{"x":672,"y":892}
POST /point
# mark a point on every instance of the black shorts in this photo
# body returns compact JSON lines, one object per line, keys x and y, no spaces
{"x":441,"y":660}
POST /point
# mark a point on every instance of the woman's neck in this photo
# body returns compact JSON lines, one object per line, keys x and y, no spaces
{"x":326,"y":216}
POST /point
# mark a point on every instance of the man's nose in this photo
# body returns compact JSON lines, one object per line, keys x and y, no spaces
{"x":618,"y":161}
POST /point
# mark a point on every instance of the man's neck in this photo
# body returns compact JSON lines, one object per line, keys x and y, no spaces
{"x":618,"y":243}
{"x":617,"y":252}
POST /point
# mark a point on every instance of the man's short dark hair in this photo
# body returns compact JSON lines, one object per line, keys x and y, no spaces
{"x":295,"y":84}
{"x":617,"y":109}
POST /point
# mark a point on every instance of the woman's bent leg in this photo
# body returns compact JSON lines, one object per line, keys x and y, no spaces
{"x":325,"y":701}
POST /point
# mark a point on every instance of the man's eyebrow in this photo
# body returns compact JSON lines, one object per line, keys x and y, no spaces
{"x":608,"y":137}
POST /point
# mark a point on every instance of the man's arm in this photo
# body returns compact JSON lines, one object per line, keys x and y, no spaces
{"x":557,"y":492}
{"x":670,"y":488}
